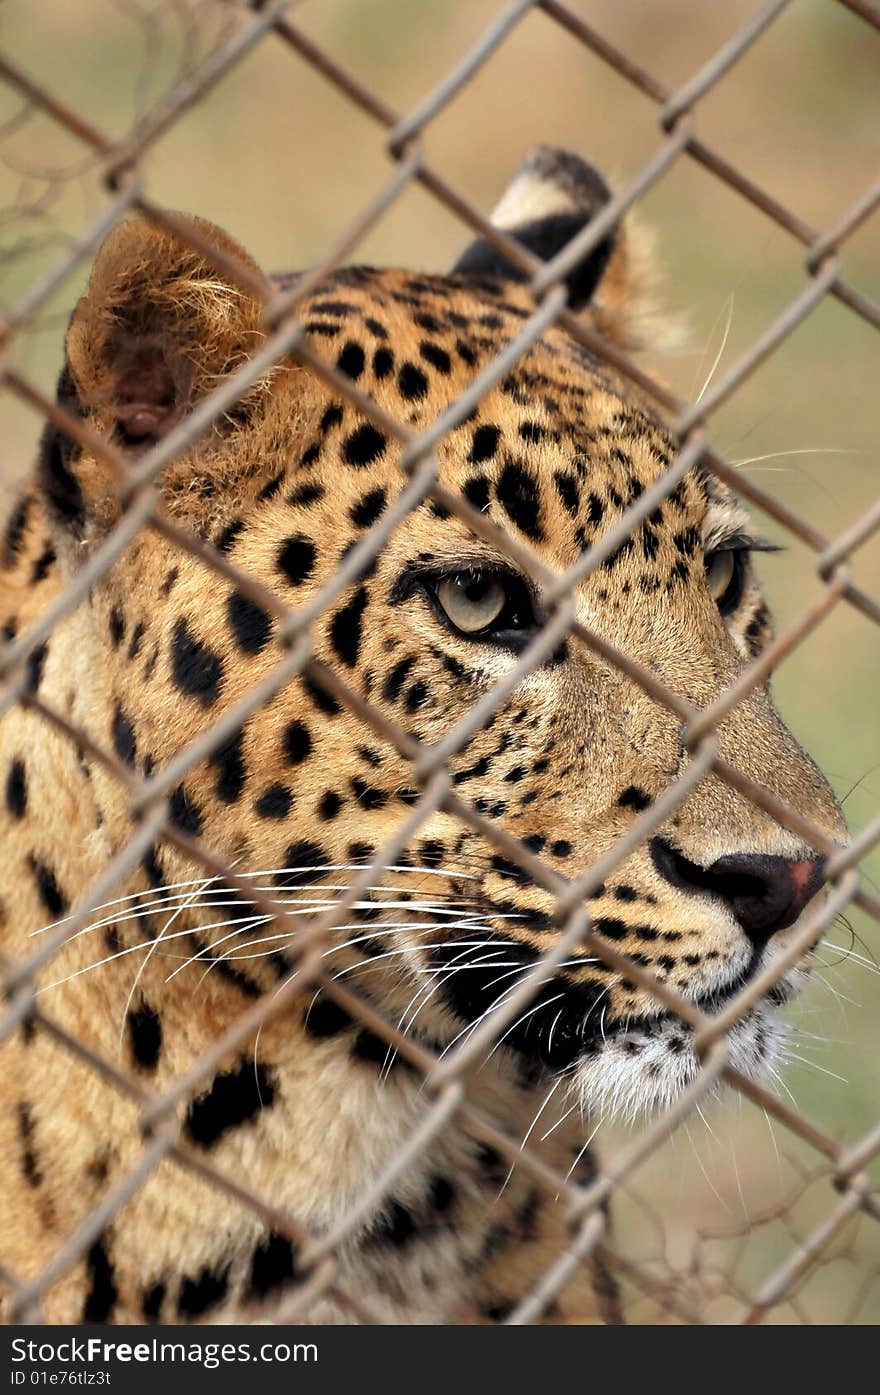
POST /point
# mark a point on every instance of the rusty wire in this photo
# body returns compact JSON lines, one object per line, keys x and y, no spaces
{"x":446,"y":1080}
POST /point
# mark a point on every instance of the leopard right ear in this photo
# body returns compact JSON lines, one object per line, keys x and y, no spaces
{"x":553,"y":196}
{"x":158,"y":327}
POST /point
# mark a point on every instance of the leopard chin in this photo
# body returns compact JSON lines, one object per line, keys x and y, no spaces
{"x":643,"y":1071}
{"x":642,"y":1068}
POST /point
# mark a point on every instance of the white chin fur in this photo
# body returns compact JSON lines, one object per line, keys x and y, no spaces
{"x":632,"y":1075}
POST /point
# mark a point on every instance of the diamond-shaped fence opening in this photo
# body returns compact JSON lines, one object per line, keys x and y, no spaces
{"x":802,"y":1248}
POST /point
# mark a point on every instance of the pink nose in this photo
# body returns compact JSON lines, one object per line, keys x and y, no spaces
{"x":764,"y":893}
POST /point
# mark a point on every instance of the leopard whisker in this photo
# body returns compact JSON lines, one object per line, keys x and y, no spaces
{"x":583,"y":1149}
{"x":528,"y":1133}
{"x":414,"y":949}
{"x":237,"y":951}
{"x":140,"y":969}
{"x":471,"y":1027}
{"x":89,"y":968}
{"x":561,"y":1120}
{"x":254,"y":922}
{"x":720,"y":353}
{"x":538,"y":1007}
{"x":424,"y":991}
{"x":814,"y":1065}
{"x":156,"y":898}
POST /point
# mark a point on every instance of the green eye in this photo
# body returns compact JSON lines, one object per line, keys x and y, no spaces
{"x":471,"y":601}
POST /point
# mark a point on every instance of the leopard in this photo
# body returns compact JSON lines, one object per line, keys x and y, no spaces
{"x":301,"y":794}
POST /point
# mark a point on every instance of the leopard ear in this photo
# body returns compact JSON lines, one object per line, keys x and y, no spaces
{"x":553,"y":196}
{"x":158,"y":327}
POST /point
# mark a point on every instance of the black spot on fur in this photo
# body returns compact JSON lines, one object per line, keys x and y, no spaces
{"x":351,"y":360}
{"x":412,"y":382}
{"x":345,"y":628}
{"x":324,"y":701}
{"x":102,"y":1292}
{"x":228,"y":761}
{"x":145,"y":1035}
{"x":611,"y":927}
{"x":431,"y":852}
{"x":476,"y":491}
{"x":35,"y":665}
{"x":367,"y":796}
{"x":42,"y":565}
{"x":117,"y":626}
{"x":485,"y":443}
{"x":296,"y":559}
{"x":362,"y":852}
{"x":227,"y":538}
{"x":519,"y":496}
{"x":441,"y":1194}
{"x":383,"y":363}
{"x":251,"y":624}
{"x":497,"y":1312}
{"x":272,"y":486}
{"x":51,"y":895}
{"x":273,"y":1265}
{"x":307,"y":493}
{"x":196,"y":669}
{"x":437,"y":357}
{"x":29,"y":1162}
{"x":124,"y":743}
{"x":299,"y":860}
{"x":274,"y":802}
{"x":332,"y":417}
{"x":634,"y":798}
{"x":373,"y":1050}
{"x":202,"y":1292}
{"x":417,"y":696}
{"x":15,"y":529}
{"x":567,"y":489}
{"x":363,"y":446}
{"x":297,"y":742}
{"x":151,"y":1302}
{"x":395,"y":679}
{"x":184,"y":812}
{"x":57,"y":452}
{"x":396,"y":1229}
{"x":233,"y":1099}
{"x":16,"y":790}
{"x":368,"y":508}
{"x":329,"y":805}
{"x":326,"y":1018}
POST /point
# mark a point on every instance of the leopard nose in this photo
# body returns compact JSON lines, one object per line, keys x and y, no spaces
{"x":765,"y":894}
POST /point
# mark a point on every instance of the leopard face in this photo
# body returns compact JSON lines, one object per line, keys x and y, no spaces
{"x":303,"y":793}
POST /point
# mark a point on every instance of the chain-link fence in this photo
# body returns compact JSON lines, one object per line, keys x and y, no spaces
{"x":842,"y":1168}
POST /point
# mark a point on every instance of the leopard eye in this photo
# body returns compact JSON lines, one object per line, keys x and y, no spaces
{"x":490,"y":605}
{"x":725,"y":577}
{"x":472,"y":600}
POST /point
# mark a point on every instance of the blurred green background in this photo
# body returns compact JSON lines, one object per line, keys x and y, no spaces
{"x":282,"y":160}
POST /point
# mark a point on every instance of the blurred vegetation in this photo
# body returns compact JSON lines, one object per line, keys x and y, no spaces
{"x":282,"y":160}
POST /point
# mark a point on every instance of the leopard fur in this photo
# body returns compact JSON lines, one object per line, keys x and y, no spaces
{"x":283,"y":485}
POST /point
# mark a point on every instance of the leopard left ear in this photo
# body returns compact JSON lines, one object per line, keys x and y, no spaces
{"x":157,"y":328}
{"x":553,"y":196}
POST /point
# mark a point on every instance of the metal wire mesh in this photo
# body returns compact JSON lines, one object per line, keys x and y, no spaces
{"x":447,"y":1079}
